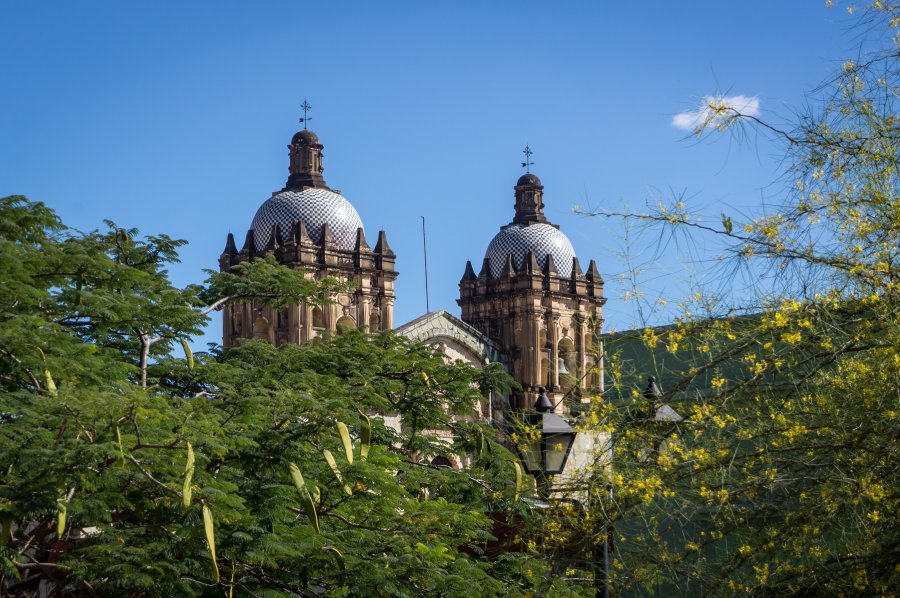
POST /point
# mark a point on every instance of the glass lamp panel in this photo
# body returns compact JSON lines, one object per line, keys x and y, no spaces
{"x":557,"y":449}
{"x":532,"y":457}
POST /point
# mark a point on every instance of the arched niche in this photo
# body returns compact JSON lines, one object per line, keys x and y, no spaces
{"x":567,"y":362}
{"x":545,"y":368}
{"x":441,"y":461}
{"x":593,"y":377}
{"x":282,"y":321}
{"x":318,"y":318}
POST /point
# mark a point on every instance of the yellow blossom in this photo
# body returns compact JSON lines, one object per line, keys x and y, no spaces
{"x":791,"y":338}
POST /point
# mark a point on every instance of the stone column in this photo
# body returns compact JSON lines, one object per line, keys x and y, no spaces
{"x":601,"y":366}
{"x":533,"y":342}
{"x":227,"y":325}
{"x":387,"y":315}
{"x":271,"y":316}
{"x":487,"y":411}
{"x":581,"y":350}
{"x":294,"y":324}
{"x":246,"y":308}
{"x":554,"y":351}
{"x":249,"y":323}
{"x":331,"y":317}
{"x":307,"y":331}
{"x":513,"y":336}
{"x":363,"y":308}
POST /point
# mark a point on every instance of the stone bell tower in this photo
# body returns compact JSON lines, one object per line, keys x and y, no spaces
{"x":309,"y":226}
{"x":532,"y":298}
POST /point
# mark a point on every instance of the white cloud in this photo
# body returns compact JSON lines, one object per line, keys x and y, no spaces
{"x":711,"y":113}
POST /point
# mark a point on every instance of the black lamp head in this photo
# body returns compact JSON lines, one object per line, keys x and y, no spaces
{"x":543,"y":404}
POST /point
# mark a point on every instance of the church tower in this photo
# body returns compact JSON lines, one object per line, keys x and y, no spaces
{"x":532,"y":298}
{"x":311,"y":226}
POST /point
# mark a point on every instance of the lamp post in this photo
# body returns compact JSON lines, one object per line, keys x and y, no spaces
{"x":652,"y":395}
{"x":652,"y":392}
{"x":550,"y":442}
{"x":662,"y":418}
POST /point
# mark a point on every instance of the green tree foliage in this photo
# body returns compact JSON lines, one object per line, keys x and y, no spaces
{"x":252,"y":471}
{"x":782,"y":476}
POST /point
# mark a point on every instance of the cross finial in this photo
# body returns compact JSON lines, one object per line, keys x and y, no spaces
{"x":527,"y":164}
{"x":306,"y":108}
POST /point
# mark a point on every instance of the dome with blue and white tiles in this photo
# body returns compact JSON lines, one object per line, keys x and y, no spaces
{"x":312,"y":206}
{"x":539,"y":238}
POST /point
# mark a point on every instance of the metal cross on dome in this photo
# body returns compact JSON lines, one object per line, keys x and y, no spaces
{"x":527,"y":164}
{"x":306,"y":108}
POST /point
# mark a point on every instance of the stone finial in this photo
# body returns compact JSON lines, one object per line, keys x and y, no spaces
{"x":509,"y":269}
{"x":275,"y":240}
{"x":230,"y":247}
{"x":485,"y":269}
{"x":361,"y":244}
{"x":249,"y":247}
{"x":382,"y":246}
{"x":550,"y":266}
{"x":529,"y":264}
{"x":384,"y":256}
{"x":299,"y":233}
{"x":576,"y":269}
{"x":469,"y":274}
{"x":593,"y":274}
{"x":327,"y":236}
{"x":577,"y":283}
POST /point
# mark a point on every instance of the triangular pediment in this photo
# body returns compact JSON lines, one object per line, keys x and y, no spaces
{"x":442,"y":327}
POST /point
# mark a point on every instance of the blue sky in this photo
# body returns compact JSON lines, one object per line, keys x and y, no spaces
{"x":175,"y":118}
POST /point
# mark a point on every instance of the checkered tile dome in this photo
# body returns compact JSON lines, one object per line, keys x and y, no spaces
{"x":540,"y":239}
{"x":314,"y":207}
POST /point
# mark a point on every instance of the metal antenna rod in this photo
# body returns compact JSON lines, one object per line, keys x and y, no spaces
{"x":425,"y":254}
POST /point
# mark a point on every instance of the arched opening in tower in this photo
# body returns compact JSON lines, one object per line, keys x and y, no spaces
{"x":567,"y":363}
{"x":261,"y":329}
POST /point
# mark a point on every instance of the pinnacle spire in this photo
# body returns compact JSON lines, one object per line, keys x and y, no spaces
{"x":469,"y":274}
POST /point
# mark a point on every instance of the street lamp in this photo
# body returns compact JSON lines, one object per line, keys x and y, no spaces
{"x":548,"y":447}
{"x":663,"y":417}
